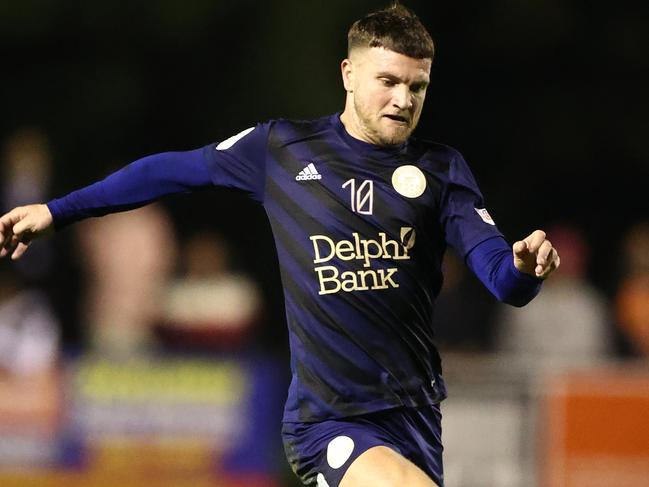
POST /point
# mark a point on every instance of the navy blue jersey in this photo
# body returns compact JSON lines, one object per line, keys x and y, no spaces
{"x":360,"y":232}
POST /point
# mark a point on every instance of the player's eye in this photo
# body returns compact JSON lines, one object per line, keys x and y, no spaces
{"x":418,"y":88}
{"x":387,"y":82}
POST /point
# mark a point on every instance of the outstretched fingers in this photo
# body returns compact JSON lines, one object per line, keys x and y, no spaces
{"x":8,"y":237}
{"x":6,"y":229}
{"x":15,"y":246}
{"x":8,"y":245}
{"x":20,"y":249}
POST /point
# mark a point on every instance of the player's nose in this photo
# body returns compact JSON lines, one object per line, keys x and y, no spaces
{"x":401,"y":98}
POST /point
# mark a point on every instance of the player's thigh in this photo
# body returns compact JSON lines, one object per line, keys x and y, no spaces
{"x":381,"y":466}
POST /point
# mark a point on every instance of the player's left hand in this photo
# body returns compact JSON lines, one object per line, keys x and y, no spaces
{"x":534,"y":255}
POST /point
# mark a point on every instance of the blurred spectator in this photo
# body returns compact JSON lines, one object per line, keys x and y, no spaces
{"x":127,"y":259}
{"x":26,"y":168}
{"x":209,"y":306}
{"x":568,"y":323}
{"x":29,"y":330}
{"x":458,"y":326}
{"x":632,"y":300}
{"x":26,"y":174}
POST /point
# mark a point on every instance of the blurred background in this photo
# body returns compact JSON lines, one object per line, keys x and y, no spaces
{"x":150,"y":346}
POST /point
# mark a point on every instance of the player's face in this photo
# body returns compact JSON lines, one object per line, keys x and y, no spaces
{"x":386,"y":91}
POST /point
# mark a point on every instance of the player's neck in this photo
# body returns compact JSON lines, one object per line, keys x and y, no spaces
{"x":353,"y":126}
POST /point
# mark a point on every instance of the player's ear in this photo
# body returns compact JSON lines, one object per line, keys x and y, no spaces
{"x":347,"y":71}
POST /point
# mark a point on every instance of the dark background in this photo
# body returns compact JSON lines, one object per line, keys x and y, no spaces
{"x":547,"y":100}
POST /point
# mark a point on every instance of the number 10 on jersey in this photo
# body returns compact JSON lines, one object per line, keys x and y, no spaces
{"x":362,"y":198}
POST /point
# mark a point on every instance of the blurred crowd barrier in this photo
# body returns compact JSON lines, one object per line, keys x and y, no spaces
{"x":595,"y":427}
{"x":506,"y":425}
{"x":167,"y":421}
{"x":192,"y":421}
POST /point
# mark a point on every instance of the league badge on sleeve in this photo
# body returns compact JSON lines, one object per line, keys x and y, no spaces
{"x":484,"y":214}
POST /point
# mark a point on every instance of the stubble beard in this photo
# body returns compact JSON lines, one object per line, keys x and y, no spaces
{"x":377,"y":134}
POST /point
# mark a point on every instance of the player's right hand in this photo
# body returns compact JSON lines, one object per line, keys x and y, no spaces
{"x":22,"y":225}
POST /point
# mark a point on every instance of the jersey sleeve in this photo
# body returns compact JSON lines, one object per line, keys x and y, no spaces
{"x":493,"y":263}
{"x":239,"y":162}
{"x":141,"y":182}
{"x":465,"y":219}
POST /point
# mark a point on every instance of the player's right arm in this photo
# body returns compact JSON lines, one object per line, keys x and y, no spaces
{"x":238,"y":163}
{"x":135,"y":185}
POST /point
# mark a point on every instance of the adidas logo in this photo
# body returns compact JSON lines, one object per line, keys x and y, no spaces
{"x":308,"y":173}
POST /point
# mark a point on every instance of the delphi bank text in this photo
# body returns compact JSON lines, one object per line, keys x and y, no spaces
{"x":331,"y":280}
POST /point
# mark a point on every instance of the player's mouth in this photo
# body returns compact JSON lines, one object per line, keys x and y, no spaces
{"x":397,"y":118}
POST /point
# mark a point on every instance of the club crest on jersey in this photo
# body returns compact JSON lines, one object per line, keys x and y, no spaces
{"x":308,"y":173}
{"x":484,"y":214}
{"x":409,"y":181}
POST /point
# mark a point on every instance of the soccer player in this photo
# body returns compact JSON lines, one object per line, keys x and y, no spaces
{"x":361,"y":213}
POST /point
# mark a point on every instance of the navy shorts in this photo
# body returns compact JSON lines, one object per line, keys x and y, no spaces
{"x":320,"y":453}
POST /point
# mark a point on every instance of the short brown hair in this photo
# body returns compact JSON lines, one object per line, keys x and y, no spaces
{"x":395,"y":28}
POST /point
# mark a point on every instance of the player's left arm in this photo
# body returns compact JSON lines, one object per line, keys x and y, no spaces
{"x":514,"y":275}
